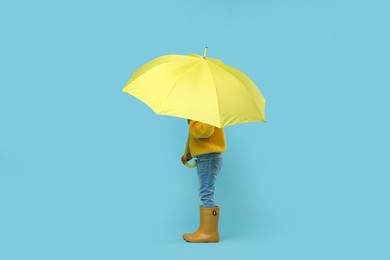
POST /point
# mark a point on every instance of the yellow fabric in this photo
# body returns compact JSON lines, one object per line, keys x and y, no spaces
{"x":199,"y":88}
{"x":204,"y":138}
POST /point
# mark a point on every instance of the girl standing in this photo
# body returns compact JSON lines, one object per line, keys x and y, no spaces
{"x":206,"y":143}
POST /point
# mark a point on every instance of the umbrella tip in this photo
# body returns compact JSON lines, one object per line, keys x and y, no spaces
{"x":205,"y":52}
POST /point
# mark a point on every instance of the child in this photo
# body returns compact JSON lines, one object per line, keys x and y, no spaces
{"x":206,"y":143}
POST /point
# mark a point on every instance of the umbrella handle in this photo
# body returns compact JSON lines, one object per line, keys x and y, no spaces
{"x":191,"y":165}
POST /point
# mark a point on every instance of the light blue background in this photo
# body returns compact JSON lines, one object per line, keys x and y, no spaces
{"x":89,"y":172}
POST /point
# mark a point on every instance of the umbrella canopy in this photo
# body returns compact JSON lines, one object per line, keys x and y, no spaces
{"x":197,"y":88}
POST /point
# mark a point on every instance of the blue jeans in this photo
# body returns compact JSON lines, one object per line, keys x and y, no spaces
{"x":208,"y":167}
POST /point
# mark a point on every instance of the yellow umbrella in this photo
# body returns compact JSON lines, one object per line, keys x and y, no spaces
{"x":198,"y":88}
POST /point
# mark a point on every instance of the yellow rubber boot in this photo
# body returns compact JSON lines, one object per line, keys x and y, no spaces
{"x":208,"y":228}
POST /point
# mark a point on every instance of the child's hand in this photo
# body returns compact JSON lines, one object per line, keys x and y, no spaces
{"x":186,"y":158}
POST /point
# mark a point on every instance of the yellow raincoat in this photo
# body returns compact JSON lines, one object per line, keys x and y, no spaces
{"x":204,"y":138}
